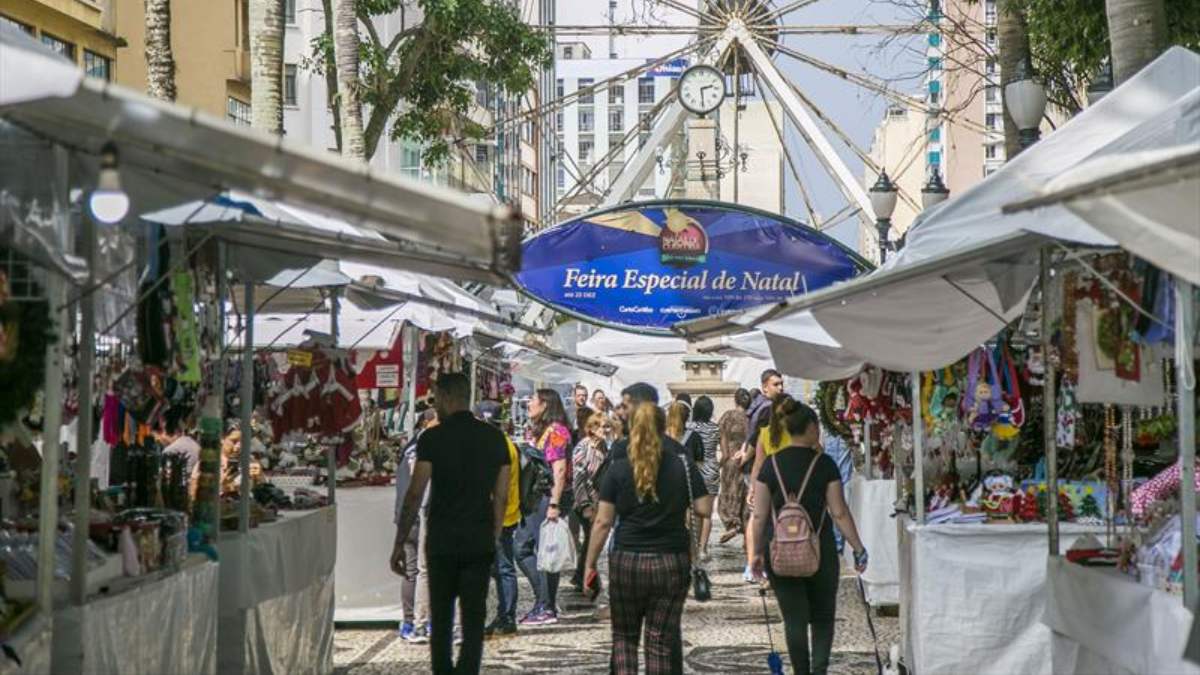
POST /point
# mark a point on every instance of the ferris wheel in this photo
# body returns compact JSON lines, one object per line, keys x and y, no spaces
{"x":746,"y":41}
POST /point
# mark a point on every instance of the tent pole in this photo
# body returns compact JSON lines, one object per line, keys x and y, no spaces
{"x":247,"y":396}
{"x":335,"y":311}
{"x":409,"y":340}
{"x":1049,"y":416}
{"x":867,"y":447}
{"x":1185,"y":323}
{"x":83,"y":438}
{"x":918,"y":427}
{"x":218,"y":407}
{"x":56,"y":295}
{"x":474,"y":382}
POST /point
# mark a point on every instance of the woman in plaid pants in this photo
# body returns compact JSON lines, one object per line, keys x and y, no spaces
{"x":649,"y":566}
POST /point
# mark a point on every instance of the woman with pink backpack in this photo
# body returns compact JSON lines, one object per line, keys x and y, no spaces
{"x":797,"y":492}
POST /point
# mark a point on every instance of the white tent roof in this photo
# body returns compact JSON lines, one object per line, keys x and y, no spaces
{"x":967,"y":269}
{"x":171,"y":153}
{"x":1142,"y":189}
{"x":611,"y":342}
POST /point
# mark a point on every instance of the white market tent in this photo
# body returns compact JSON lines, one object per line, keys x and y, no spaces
{"x":968,"y":268}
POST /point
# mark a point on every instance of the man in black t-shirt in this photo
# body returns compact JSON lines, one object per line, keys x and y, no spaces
{"x":466,"y":464}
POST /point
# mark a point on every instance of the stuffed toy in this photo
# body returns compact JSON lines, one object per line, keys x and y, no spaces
{"x":858,"y":408}
{"x":983,"y":399}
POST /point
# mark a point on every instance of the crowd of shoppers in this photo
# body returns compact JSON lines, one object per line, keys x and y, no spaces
{"x":637,"y":482}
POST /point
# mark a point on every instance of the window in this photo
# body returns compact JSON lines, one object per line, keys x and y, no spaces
{"x":935,"y":63}
{"x":993,"y":121}
{"x":616,"y":119}
{"x":989,"y":12}
{"x":289,"y":12}
{"x":558,"y":88}
{"x":935,"y":39}
{"x":616,"y":94}
{"x":991,"y":37}
{"x":935,"y":158}
{"x":410,"y":161}
{"x":645,"y":90}
{"x":558,"y":120}
{"x":528,"y":180}
{"x":935,"y":97}
{"x":561,"y":176}
{"x":17,"y":24}
{"x":481,"y":153}
{"x":615,"y":141}
{"x":61,"y":46}
{"x":237,"y":111}
{"x":644,"y":119}
{"x":586,"y":94}
{"x":935,"y":135}
{"x":992,"y":93}
{"x":527,"y":131}
{"x":989,"y":151}
{"x":568,"y":52}
{"x":587,"y":150}
{"x":96,"y":65}
{"x":897,"y":112}
{"x":289,"y":84}
{"x":990,"y":68}
{"x":587,"y":120}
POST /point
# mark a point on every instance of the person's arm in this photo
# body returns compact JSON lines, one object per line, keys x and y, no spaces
{"x":559,"y":468}
{"x":756,"y":543}
{"x":605,"y":515}
{"x":760,"y":455}
{"x":835,"y":502}
{"x":500,"y":497}
{"x":408,"y":513}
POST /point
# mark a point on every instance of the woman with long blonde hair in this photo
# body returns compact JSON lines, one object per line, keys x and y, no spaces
{"x":647,"y":485}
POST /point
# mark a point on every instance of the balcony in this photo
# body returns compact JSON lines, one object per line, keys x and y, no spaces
{"x":241,"y":65}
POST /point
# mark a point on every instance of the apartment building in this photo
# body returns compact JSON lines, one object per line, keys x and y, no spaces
{"x":80,"y":30}
{"x":211,"y":44}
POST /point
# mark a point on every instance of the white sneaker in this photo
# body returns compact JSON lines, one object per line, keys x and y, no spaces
{"x":747,"y":575}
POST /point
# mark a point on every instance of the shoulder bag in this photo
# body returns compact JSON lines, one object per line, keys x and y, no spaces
{"x":701,"y":586}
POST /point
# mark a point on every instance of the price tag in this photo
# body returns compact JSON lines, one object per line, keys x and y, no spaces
{"x":300,"y":357}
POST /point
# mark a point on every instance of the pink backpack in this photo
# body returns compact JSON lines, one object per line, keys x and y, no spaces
{"x":796,"y":548}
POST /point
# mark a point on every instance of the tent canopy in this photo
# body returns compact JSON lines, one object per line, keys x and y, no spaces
{"x":967,"y":269}
{"x":171,"y":153}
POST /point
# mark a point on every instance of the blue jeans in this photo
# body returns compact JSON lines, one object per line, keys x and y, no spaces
{"x":545,"y":586}
{"x":504,"y":573}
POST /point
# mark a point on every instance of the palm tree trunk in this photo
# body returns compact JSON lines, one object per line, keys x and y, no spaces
{"x":1012,"y":41}
{"x":160,"y":61}
{"x":1137,"y":32}
{"x":266,"y":65}
{"x":345,"y":48}
{"x":331,"y":86}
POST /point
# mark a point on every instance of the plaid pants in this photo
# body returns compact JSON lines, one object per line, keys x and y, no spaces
{"x":649,"y":588}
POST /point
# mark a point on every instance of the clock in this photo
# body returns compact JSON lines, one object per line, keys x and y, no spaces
{"x":701,"y":89}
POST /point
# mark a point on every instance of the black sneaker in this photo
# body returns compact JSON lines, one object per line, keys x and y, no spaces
{"x":499,"y":629}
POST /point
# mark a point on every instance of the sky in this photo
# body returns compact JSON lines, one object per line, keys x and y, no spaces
{"x":855,"y":110}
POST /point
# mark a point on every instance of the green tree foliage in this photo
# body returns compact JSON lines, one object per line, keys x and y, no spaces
{"x":1068,"y":40}
{"x":420,"y":84}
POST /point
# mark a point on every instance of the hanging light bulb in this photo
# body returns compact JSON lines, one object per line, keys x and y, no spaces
{"x":109,"y":203}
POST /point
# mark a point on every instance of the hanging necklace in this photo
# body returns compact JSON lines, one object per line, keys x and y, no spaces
{"x":1110,"y":469}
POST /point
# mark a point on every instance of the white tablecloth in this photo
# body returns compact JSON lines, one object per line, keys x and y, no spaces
{"x":165,"y":625}
{"x":276,"y":597}
{"x":1104,"y":622}
{"x":973,"y":596}
{"x":367,"y":590}
{"x":31,"y":644}
{"x":872,"y":503}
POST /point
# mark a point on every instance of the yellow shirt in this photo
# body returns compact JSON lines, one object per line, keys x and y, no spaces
{"x":512,"y":515}
{"x":770,"y":448}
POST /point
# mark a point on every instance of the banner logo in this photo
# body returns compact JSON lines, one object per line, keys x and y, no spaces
{"x":682,"y":242}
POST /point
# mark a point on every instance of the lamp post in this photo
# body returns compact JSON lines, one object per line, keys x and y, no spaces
{"x":1025,"y":99}
{"x":935,"y":191}
{"x":883,"y":202}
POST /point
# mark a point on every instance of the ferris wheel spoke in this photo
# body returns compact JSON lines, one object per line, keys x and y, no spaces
{"x":791,"y":161}
{"x":675,"y":4}
{"x":787,"y":9}
{"x":593,"y":30}
{"x":620,"y":78}
{"x":849,"y":29}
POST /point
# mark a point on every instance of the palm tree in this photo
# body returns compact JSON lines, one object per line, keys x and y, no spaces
{"x":266,"y":65}
{"x":345,"y":48}
{"x":160,"y":61}
{"x":1137,"y":31}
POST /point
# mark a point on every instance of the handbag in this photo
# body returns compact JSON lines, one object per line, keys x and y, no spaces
{"x":701,"y":586}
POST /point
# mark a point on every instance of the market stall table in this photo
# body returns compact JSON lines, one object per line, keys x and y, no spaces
{"x":1105,"y":622}
{"x":31,"y":644}
{"x":367,"y":589}
{"x":276,"y":595}
{"x":164,"y":623}
{"x":872,"y":502}
{"x":973,"y":596}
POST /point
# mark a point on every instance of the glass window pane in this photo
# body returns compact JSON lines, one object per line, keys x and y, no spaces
{"x":289,"y":84}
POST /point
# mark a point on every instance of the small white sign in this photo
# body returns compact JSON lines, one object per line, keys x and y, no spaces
{"x":387,"y":375}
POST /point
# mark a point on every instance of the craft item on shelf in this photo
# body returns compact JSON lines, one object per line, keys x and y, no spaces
{"x":1162,"y":487}
{"x":943,"y":401}
{"x":1028,"y":510}
{"x":1091,"y":552}
{"x":1110,"y":467}
{"x":1089,"y":512}
{"x":1067,"y":415}
{"x":997,"y":495}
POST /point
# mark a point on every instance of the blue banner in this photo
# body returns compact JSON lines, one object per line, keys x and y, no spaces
{"x":649,"y":265}
{"x":673,"y":68}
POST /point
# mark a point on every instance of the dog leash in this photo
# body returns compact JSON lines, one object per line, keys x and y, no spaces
{"x":774,"y":660}
{"x":862,"y":593}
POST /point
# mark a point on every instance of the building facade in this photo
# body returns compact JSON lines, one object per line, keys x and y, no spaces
{"x":81,"y":31}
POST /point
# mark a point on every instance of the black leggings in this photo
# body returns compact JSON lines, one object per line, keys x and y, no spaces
{"x":808,"y":601}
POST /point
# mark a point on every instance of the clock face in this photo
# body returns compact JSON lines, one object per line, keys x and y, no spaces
{"x":701,"y":89}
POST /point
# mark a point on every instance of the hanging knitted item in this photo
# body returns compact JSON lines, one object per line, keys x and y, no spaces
{"x":1005,"y":427}
{"x":982,"y":402}
{"x":944,"y":402}
{"x":1068,"y":415}
{"x":927,"y":387}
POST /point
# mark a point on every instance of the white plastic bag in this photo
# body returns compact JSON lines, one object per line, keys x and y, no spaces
{"x":556,"y":550}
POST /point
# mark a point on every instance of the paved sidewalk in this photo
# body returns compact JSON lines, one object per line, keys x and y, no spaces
{"x":722,"y":636}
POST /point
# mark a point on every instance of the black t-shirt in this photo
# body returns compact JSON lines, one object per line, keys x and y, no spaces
{"x":693,"y":445}
{"x":620,"y":448}
{"x":466,"y":455}
{"x":652,"y":526}
{"x":793,"y":464}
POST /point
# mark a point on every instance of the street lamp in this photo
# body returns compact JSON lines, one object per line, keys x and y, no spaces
{"x":935,"y":191}
{"x":1025,"y":99}
{"x":883,"y":203}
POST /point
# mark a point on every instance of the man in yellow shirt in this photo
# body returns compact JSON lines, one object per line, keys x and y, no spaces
{"x":504,"y":573}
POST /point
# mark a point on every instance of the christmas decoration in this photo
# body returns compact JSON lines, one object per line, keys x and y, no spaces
{"x":1089,"y":511}
{"x":1028,"y":509}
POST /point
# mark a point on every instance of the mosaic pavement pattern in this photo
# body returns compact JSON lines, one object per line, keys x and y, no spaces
{"x":725,"y":635}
